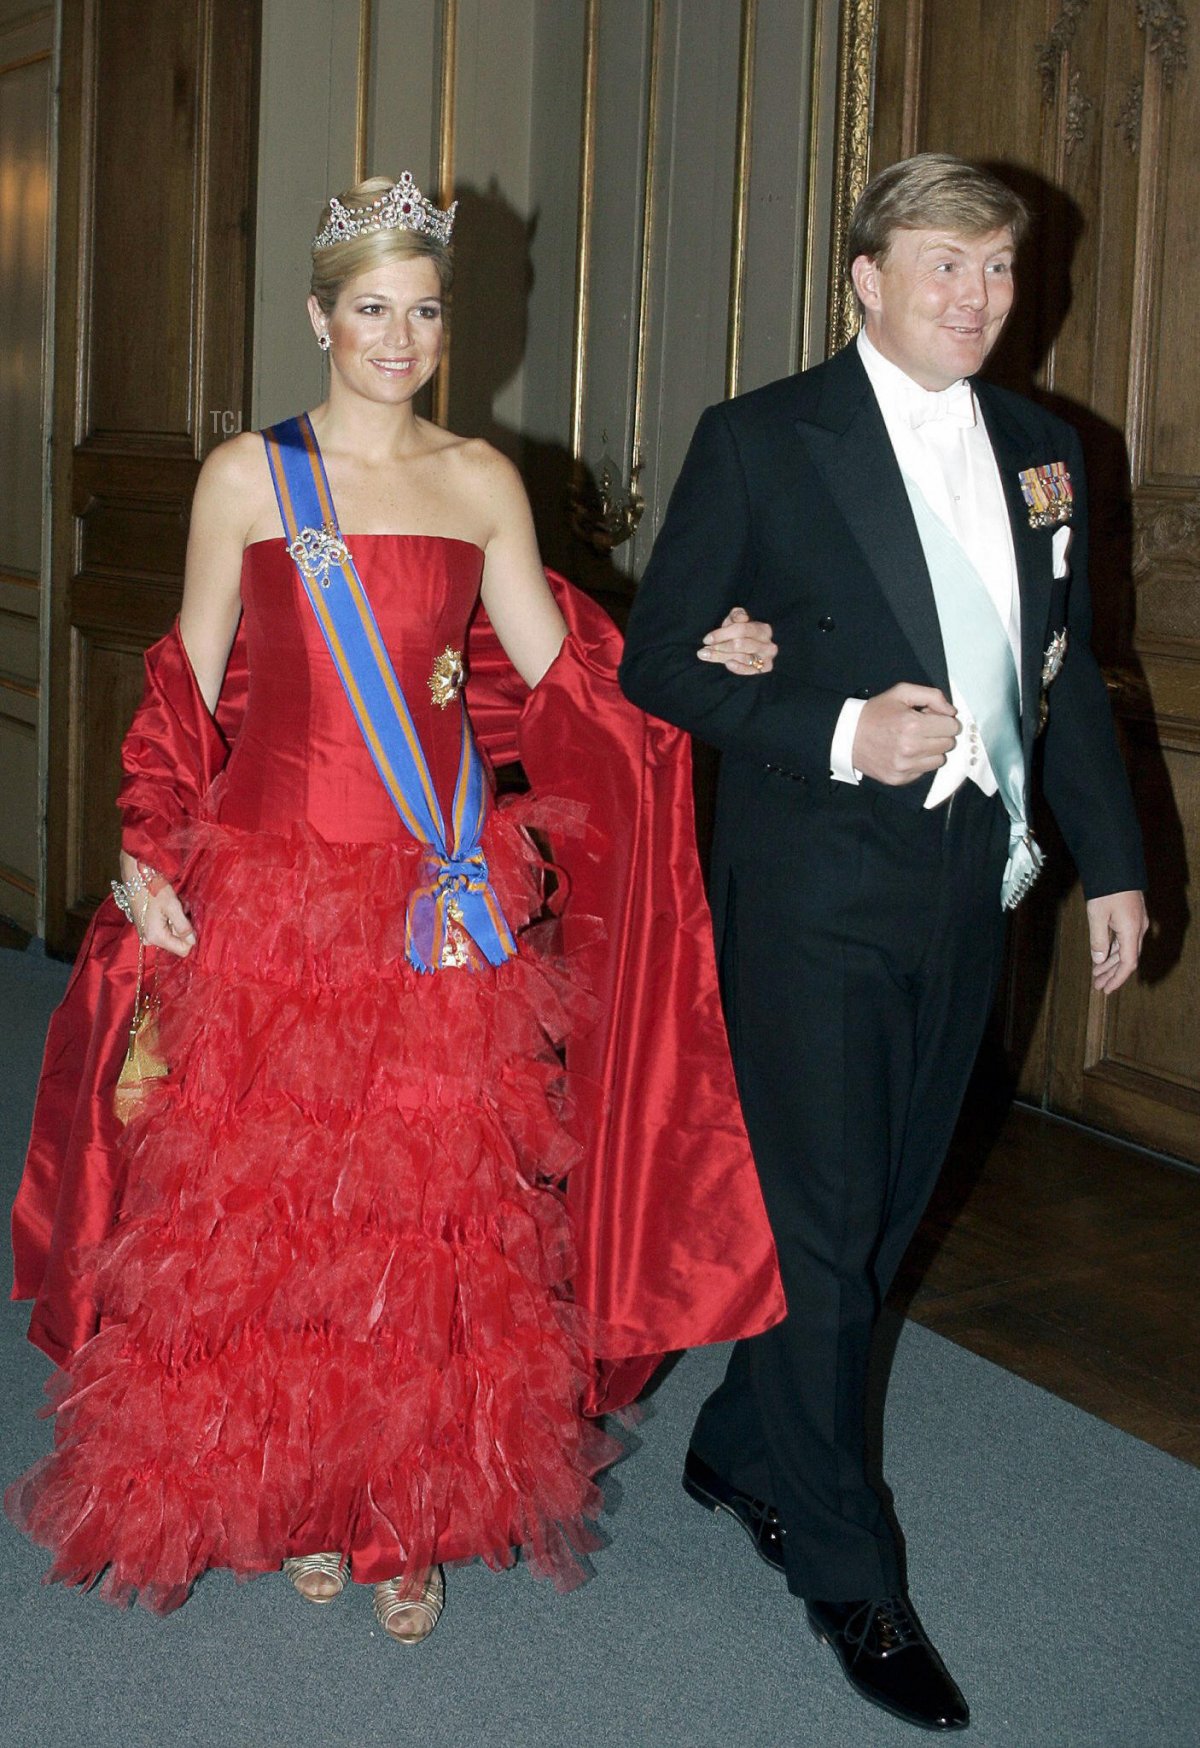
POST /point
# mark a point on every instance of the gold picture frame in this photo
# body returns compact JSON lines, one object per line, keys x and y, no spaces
{"x":852,"y":157}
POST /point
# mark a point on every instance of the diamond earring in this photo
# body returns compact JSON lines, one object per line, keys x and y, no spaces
{"x":324,"y":342}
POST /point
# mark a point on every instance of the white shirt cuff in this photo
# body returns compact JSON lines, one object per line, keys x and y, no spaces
{"x":841,"y":753}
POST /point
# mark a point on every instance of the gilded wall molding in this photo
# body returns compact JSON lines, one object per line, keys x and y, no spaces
{"x":583,"y":233}
{"x":741,"y":195}
{"x":606,"y":511}
{"x":1166,"y":35}
{"x":447,"y":88}
{"x":633,"y":505}
{"x":591,"y":508}
{"x":362,"y":92}
{"x":814,"y":264}
{"x":852,"y":152}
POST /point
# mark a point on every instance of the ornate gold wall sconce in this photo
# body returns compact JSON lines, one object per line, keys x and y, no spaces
{"x":605,"y":511}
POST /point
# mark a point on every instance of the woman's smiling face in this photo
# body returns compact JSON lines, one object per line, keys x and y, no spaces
{"x":387,"y":329}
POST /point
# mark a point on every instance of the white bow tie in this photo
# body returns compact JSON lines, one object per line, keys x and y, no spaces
{"x":956,"y":404}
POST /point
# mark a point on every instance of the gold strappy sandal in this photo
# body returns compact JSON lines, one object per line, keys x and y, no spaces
{"x":302,"y":1566}
{"x":409,"y":1619}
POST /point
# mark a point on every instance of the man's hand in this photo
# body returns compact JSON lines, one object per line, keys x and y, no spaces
{"x":1117,"y":925}
{"x":741,"y":644}
{"x":904,"y":733}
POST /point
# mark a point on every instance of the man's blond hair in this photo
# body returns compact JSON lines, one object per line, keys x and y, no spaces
{"x":933,"y":191}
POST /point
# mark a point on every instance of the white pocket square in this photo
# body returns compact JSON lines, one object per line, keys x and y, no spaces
{"x":1059,"y":547}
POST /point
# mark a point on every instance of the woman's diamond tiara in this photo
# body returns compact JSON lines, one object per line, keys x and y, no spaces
{"x":402,"y":208}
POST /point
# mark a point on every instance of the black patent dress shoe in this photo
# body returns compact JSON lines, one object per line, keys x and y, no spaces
{"x":759,"y":1520}
{"x":888,"y":1658}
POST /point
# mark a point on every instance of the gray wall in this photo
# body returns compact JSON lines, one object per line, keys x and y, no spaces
{"x":518,"y":111}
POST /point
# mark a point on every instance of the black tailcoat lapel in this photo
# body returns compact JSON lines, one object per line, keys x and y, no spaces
{"x":1016,"y":449}
{"x":843,"y":431}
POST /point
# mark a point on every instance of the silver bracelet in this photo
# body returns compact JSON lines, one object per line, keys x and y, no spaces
{"x":125,"y":891}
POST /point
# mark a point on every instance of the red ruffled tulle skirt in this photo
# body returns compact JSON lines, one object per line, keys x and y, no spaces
{"x":336,"y":1308}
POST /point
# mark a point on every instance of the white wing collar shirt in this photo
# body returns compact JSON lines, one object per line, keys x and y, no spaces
{"x":941,"y":443}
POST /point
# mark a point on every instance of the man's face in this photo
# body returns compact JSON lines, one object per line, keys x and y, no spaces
{"x":936,"y":303}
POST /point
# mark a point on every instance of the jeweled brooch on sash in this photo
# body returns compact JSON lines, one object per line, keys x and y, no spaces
{"x":1048,"y":495}
{"x":446,"y":680}
{"x":1052,"y":661}
{"x":316,"y":551}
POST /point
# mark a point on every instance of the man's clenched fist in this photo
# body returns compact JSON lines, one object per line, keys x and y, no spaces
{"x":903,"y":733}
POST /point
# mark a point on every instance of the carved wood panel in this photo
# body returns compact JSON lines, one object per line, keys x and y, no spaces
{"x":26,"y":87}
{"x":1092,"y":109}
{"x":157,"y":151}
{"x":146,"y":62}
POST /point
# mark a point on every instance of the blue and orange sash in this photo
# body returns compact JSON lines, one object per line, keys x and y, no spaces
{"x":456,"y":893}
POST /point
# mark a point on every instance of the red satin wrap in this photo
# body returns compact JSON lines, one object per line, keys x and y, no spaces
{"x":674,"y":1249}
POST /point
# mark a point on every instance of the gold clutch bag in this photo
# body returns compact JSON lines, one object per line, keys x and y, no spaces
{"x":142,"y":1063}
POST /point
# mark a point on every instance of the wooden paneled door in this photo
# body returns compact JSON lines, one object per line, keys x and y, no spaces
{"x":1092,"y":109}
{"x":157,"y":153}
{"x":26,"y":143}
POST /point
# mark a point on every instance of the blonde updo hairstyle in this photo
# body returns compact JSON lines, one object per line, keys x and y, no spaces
{"x":336,"y":265}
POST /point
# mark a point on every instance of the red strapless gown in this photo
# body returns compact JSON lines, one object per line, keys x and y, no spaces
{"x":334,"y":1313}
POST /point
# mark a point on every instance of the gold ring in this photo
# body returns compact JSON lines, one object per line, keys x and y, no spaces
{"x":756,"y":662}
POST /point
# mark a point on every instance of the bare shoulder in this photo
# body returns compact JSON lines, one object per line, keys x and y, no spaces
{"x":487,"y":476}
{"x":237,"y":469}
{"x":486,"y":461}
{"x":238,"y":463}
{"x":470,"y":457}
{"x":234,"y":487}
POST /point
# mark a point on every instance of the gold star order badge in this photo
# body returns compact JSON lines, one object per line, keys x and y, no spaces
{"x":446,"y":680}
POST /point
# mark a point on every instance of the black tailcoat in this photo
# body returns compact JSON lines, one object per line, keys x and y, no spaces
{"x":859,"y":934}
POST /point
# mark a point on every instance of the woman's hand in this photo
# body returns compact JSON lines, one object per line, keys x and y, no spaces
{"x":741,"y":644}
{"x":158,"y":916}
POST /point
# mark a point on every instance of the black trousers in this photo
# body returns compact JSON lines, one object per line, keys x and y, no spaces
{"x":858,"y":968}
